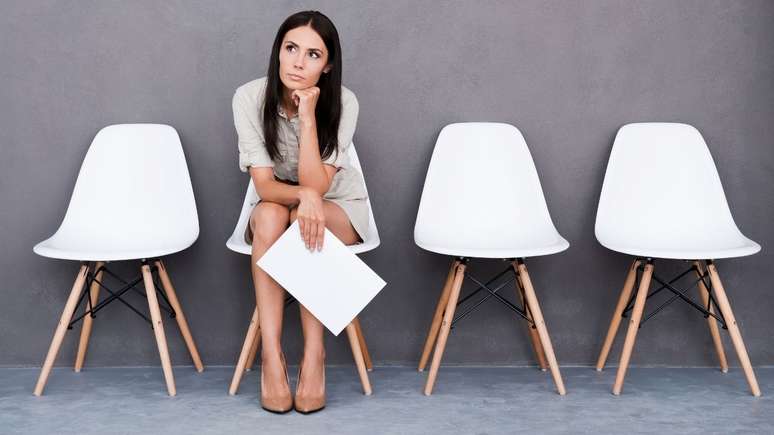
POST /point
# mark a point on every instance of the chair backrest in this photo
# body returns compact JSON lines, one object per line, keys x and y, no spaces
{"x":236,"y":241}
{"x":373,"y":233}
{"x":482,"y":191}
{"x":661,"y":188}
{"x":133,"y":190}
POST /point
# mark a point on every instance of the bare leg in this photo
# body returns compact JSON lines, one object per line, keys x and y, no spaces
{"x":268,"y":221}
{"x":311,"y":383}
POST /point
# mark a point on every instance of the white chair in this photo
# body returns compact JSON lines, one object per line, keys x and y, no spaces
{"x":132,"y":201}
{"x":252,"y":341}
{"x":662,"y":198}
{"x":482,"y":199}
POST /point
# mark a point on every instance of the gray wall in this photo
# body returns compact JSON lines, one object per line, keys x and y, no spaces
{"x":567,"y":73}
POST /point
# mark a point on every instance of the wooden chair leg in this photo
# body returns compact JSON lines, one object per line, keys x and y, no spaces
{"x":83,"y":343}
{"x":615,"y":322}
{"x":634,"y":325}
{"x":361,"y":340}
{"x":247,"y":346}
{"x":540,"y":324}
{"x":158,"y":329}
{"x":254,"y":349}
{"x":711,"y":321}
{"x":733,"y":329}
{"x":61,"y":329}
{"x":534,"y":338}
{"x":445,"y":327}
{"x":179,"y":316}
{"x":357,"y":353}
{"x":432,"y":334}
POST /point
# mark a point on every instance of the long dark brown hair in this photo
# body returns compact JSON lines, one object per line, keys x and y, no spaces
{"x":328,"y":109}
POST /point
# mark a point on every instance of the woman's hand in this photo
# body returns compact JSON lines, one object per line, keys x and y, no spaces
{"x":311,"y":218}
{"x":306,"y":101}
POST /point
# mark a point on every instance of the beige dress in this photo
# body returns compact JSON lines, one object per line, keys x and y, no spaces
{"x":347,"y":188}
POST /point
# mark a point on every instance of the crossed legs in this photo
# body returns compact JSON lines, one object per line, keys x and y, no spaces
{"x":267,"y":222}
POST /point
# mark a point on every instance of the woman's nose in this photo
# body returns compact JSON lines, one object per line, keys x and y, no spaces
{"x":298,"y":62}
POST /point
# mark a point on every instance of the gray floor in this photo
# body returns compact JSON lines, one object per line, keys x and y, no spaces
{"x":466,"y":400}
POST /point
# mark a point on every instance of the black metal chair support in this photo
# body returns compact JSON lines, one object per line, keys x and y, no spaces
{"x":491,"y":292}
{"x":677,"y":294}
{"x":117,"y":294}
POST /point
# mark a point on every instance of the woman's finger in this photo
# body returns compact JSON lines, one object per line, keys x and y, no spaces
{"x":310,"y":229}
{"x":320,"y":236}
{"x":312,"y":235}
{"x":301,"y":225}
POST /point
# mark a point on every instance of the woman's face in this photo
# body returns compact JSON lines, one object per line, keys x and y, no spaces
{"x":303,"y":58}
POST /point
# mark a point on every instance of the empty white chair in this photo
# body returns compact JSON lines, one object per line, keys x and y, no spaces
{"x":251,"y":344}
{"x":662,"y":198}
{"x":132,"y":200}
{"x":482,"y":199}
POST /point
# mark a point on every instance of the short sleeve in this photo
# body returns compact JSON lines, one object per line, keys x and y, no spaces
{"x":347,"y":124}
{"x":252,"y":148}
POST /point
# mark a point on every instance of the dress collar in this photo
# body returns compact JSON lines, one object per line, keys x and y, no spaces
{"x":281,"y":112}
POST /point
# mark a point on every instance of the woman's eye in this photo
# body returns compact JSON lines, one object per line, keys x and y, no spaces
{"x":314,"y":55}
{"x":290,"y":48}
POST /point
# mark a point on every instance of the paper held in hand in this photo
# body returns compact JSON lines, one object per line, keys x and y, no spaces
{"x":333,"y":284}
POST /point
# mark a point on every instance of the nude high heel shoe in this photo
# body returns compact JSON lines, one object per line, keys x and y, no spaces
{"x":309,"y":404}
{"x":281,"y":403}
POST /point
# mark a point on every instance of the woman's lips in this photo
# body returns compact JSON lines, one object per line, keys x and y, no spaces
{"x":295,"y":77}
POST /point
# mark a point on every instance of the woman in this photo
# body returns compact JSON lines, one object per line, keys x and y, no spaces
{"x":294,"y":127}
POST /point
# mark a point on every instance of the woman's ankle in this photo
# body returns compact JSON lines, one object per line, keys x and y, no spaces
{"x":314,"y":353}
{"x":271,"y":353}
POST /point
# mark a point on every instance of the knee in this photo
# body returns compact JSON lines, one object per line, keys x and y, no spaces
{"x":268,"y":221}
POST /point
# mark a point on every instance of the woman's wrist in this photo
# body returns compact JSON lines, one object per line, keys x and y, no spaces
{"x":308,"y":125}
{"x":304,"y":192}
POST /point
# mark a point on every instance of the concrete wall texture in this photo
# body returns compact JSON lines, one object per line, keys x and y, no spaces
{"x":567,"y":73}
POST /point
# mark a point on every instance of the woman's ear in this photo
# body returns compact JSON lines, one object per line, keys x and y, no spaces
{"x":327,"y":69}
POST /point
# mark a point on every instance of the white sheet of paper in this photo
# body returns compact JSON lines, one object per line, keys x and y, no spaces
{"x":333,"y":284}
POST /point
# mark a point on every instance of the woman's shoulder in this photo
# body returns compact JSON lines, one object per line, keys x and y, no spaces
{"x":347,"y":94}
{"x":348,"y":98}
{"x":252,"y":90}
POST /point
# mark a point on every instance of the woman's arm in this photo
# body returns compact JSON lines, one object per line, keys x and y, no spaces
{"x":272,"y":190}
{"x":311,"y":217}
{"x":312,"y":172}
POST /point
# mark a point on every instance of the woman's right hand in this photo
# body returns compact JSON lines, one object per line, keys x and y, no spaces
{"x":311,"y":218}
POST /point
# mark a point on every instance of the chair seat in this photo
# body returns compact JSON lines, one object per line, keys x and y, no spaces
{"x":238,"y":244}
{"x":102,"y":249}
{"x":662,"y":197}
{"x":697,"y":250}
{"x":514,"y":251}
{"x":133,"y":199}
{"x":500,"y":213}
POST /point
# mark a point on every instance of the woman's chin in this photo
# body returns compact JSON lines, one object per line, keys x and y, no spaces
{"x":294,"y":85}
